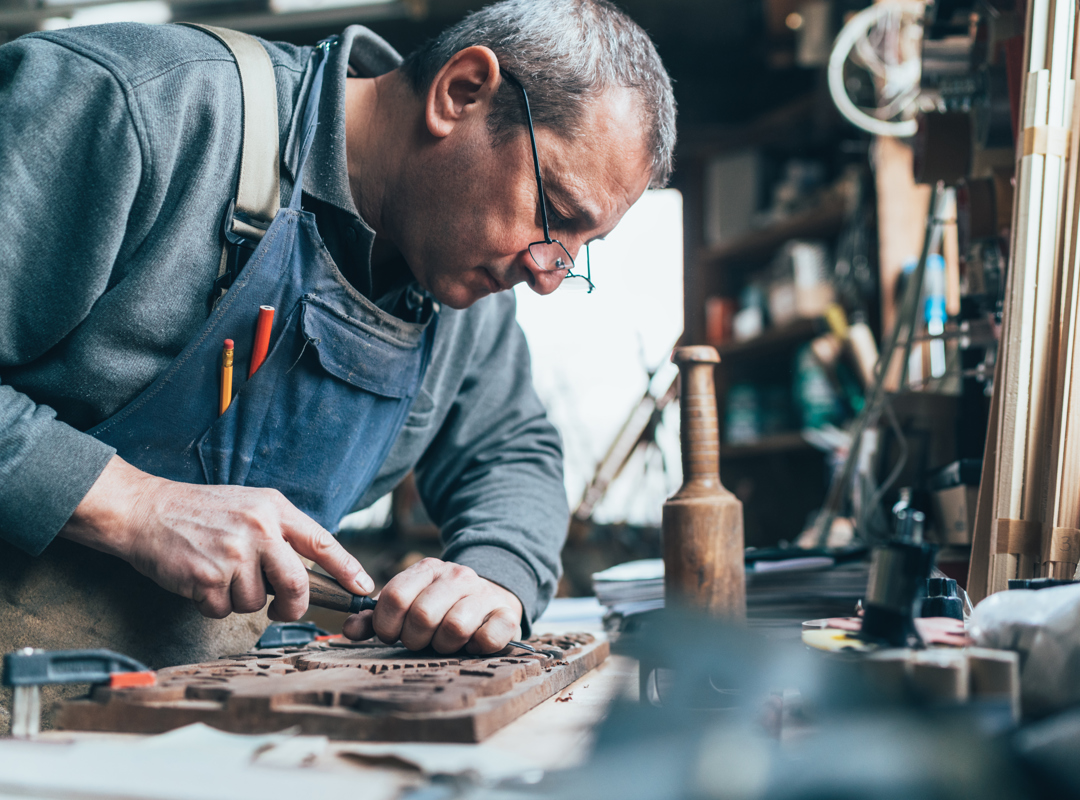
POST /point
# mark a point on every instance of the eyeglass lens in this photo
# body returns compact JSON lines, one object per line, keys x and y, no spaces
{"x":550,"y":256}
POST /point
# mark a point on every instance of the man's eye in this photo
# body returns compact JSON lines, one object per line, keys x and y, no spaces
{"x":557,"y":220}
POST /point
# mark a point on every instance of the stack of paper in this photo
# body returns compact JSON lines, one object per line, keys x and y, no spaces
{"x":631,"y":588}
{"x":789,"y":586}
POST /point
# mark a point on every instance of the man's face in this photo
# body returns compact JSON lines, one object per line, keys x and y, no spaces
{"x":468,"y":231}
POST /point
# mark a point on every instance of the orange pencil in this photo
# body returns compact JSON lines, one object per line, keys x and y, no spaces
{"x":226,"y":377}
{"x":262,"y":338}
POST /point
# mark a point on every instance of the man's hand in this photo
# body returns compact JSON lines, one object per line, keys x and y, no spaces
{"x":445,"y":605}
{"x":212,"y":544}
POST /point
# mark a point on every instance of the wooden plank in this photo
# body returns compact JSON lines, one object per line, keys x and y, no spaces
{"x":363,"y":691}
{"x":982,"y":538}
{"x":1063,"y":509}
{"x":1015,"y":352}
{"x":1003,"y":416}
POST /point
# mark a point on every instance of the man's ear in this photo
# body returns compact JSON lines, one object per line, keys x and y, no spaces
{"x":463,"y":88}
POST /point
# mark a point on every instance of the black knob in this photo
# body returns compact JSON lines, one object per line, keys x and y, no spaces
{"x":942,"y":599}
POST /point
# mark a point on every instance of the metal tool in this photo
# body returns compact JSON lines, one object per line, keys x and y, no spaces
{"x":290,"y":634}
{"x":27,"y":670}
{"x":552,"y":653}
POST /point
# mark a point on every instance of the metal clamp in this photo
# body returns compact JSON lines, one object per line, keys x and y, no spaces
{"x":27,"y":670}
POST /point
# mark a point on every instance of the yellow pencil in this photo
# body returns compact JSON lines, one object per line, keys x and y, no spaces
{"x":226,"y":377}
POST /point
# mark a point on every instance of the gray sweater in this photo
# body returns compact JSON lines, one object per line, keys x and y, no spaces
{"x":119,"y":151}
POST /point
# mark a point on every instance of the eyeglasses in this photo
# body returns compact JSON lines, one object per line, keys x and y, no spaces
{"x":549,"y":255}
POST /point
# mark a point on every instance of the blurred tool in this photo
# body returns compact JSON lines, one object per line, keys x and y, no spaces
{"x":934,"y":313}
{"x":942,"y":599}
{"x":290,"y":634}
{"x":884,"y":40}
{"x":898,"y":574}
{"x":702,"y":522}
{"x":27,"y":670}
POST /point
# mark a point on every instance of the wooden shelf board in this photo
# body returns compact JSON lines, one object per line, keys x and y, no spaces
{"x":769,"y":445}
{"x":823,"y":219}
{"x":780,"y":338}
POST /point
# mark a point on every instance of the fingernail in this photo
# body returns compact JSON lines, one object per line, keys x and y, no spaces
{"x":366,"y":583}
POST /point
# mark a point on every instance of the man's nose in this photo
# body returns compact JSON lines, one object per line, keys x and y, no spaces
{"x":540,"y":280}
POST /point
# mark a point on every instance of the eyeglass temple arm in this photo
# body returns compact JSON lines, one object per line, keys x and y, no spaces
{"x":535,"y":153}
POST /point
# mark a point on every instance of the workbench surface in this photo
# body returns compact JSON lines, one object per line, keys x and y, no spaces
{"x":201,"y":762}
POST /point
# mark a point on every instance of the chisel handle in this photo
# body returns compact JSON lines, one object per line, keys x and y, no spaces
{"x":325,"y":592}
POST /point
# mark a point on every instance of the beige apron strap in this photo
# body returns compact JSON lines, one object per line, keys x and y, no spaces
{"x":258,"y":192}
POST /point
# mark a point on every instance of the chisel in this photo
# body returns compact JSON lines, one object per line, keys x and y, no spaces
{"x":325,"y":592}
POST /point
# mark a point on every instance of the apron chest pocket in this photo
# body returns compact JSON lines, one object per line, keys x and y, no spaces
{"x":360,"y":357}
{"x":318,"y":418}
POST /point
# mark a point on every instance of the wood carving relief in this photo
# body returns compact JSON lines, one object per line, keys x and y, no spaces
{"x":345,"y":690}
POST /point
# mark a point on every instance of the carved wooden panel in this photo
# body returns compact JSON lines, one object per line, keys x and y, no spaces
{"x":345,"y":690}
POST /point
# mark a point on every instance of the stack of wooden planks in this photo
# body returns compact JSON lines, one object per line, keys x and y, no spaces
{"x":1028,"y":519}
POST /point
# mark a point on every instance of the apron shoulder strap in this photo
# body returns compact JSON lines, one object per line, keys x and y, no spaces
{"x":258,"y":192}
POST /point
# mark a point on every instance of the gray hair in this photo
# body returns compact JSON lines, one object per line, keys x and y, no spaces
{"x":565,"y":53}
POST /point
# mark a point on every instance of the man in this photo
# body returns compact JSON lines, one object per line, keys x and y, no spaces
{"x":120,"y":150}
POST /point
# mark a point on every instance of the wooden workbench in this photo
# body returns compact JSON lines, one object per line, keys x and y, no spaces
{"x":557,"y":734}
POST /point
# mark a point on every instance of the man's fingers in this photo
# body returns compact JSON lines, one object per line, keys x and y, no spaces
{"x":428,"y":611}
{"x":287,"y":577}
{"x":214,"y":602}
{"x":459,"y":624}
{"x":247,"y":593}
{"x":359,"y":626}
{"x":311,"y":540}
{"x":398,"y":596}
{"x":498,"y":629}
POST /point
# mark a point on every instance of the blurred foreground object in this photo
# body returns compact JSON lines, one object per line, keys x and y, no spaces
{"x":1044,"y":627}
{"x":793,"y":725}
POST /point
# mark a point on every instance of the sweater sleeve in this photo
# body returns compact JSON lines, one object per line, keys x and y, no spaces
{"x":493,"y":477}
{"x":70,"y":168}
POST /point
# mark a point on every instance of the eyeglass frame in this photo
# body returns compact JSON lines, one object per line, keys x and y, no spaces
{"x":587,"y":277}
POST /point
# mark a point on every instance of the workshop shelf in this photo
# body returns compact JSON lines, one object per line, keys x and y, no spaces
{"x":776,"y":339}
{"x":822,"y":220}
{"x":768,"y":445}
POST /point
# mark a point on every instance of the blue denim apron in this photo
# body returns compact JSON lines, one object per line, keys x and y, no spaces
{"x":319,"y":417}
